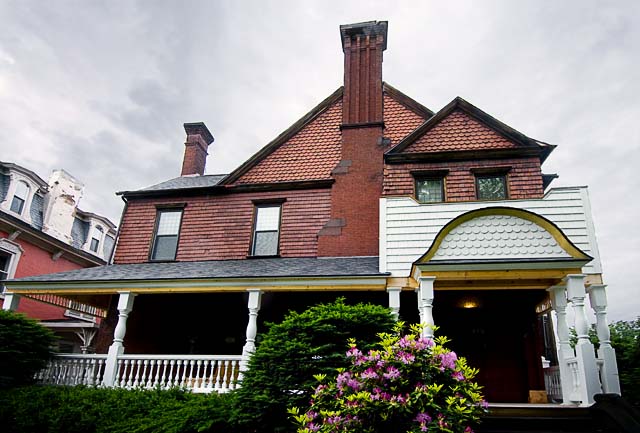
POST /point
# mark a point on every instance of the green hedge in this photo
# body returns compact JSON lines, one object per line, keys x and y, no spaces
{"x":51,"y":409}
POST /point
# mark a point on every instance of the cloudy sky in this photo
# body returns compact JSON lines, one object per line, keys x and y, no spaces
{"x":102,"y":89}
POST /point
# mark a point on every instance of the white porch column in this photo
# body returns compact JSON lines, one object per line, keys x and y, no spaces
{"x":125,"y":305}
{"x":606,"y":353}
{"x":425,"y":305}
{"x":559,"y":304}
{"x":11,"y":301}
{"x":394,"y":301}
{"x":589,"y":382}
{"x":255,"y":298}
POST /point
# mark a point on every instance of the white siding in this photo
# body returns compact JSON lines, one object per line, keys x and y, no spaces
{"x":408,"y":228}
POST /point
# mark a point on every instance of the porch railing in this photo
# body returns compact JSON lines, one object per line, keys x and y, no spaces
{"x":74,"y":370}
{"x":198,"y":373}
{"x":552,"y":383}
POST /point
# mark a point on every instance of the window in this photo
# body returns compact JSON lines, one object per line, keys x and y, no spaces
{"x":5,"y":261}
{"x":19,"y":197}
{"x":95,"y":239}
{"x":165,"y":243}
{"x":491,"y":187}
{"x":430,"y":190}
{"x":266,"y":231}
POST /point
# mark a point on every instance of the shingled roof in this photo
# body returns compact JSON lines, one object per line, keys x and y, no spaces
{"x":258,"y":268}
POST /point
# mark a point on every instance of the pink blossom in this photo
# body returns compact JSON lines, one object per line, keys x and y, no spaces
{"x":392,"y":373}
{"x":354,"y":352}
{"x":448,"y":360}
{"x":405,"y":357}
{"x":369,"y":373}
{"x":458,"y":376}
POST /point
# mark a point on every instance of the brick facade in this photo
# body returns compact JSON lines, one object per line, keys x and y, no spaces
{"x":524,"y":178}
{"x":220,"y":227}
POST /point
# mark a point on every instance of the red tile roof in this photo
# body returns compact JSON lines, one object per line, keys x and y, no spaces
{"x":313,"y":152}
{"x":458,"y":131}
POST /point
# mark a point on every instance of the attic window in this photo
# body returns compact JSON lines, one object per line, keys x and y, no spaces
{"x":266,"y":231}
{"x":429,"y":185}
{"x":95,"y":239}
{"x":20,"y":197}
{"x":165,"y":242}
{"x":491,"y":187}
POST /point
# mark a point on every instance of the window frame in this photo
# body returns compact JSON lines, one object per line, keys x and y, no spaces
{"x":22,"y":199}
{"x":257,"y":204}
{"x":505,"y":183}
{"x":159,"y":211}
{"x":13,"y":251}
{"x":422,"y":175}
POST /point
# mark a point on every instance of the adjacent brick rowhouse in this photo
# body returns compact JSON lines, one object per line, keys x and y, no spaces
{"x":195,"y":148}
{"x":353,"y":228}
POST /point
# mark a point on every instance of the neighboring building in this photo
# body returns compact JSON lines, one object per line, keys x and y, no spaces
{"x":370,"y":196}
{"x":42,"y":231}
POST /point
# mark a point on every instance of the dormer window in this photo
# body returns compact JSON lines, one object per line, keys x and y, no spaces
{"x":429,"y":185}
{"x":491,"y":187}
{"x":20,"y":197}
{"x":96,"y":237}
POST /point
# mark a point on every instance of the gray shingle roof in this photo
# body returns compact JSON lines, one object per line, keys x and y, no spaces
{"x":185,"y":182}
{"x":253,"y":268}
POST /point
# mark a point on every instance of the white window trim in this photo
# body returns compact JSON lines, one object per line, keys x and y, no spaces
{"x":25,"y":215}
{"x":92,"y":229}
{"x":15,"y":251}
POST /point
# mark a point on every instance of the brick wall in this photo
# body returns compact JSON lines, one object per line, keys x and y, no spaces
{"x":524,"y":179}
{"x":219,"y":227}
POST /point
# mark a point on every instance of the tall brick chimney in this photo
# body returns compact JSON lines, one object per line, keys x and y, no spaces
{"x":355,"y":195}
{"x":363,"y":44}
{"x":195,"y":148}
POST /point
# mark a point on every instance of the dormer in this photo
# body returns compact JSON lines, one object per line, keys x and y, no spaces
{"x":23,"y":188}
{"x":94,"y":234}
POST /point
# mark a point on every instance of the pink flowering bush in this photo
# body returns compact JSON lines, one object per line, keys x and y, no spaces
{"x":411,"y":384}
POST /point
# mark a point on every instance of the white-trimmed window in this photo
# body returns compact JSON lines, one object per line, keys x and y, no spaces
{"x":165,"y":240}
{"x":266,"y":230}
{"x":96,"y":239}
{"x":20,"y":197}
{"x":10,"y":253}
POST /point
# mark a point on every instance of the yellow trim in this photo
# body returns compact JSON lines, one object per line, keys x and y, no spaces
{"x":405,"y":283}
{"x":526,"y":274}
{"x":212,"y":289}
{"x":550,"y":227}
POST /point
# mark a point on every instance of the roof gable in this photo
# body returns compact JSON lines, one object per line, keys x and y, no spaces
{"x":310,"y":148}
{"x":461,"y":126}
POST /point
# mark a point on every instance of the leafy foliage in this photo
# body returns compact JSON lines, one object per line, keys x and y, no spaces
{"x":50,"y":409}
{"x":625,"y":339}
{"x":24,"y":348}
{"x":410,"y":384}
{"x":280,"y":372}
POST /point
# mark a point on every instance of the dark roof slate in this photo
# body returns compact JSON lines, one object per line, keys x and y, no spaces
{"x":254,"y":268}
{"x":187,"y":182}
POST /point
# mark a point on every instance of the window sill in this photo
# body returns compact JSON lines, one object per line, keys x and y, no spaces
{"x":275,"y":256}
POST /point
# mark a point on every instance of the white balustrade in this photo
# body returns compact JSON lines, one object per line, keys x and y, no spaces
{"x":574,"y":369}
{"x":553,"y":383}
{"x":74,"y":370}
{"x":197,"y":373}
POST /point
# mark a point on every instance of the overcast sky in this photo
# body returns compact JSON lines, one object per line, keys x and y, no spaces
{"x":102,"y":89}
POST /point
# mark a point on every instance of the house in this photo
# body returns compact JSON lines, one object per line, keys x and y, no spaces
{"x":42,"y":231}
{"x":442,"y":215}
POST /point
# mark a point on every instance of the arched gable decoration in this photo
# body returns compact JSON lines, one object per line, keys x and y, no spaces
{"x":501,"y":233}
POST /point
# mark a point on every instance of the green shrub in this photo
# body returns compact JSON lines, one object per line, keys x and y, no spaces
{"x":280,"y":372}
{"x":625,"y":339}
{"x":51,"y":409}
{"x":24,"y":348}
{"x":410,"y":384}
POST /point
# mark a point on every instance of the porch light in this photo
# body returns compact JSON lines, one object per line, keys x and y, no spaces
{"x":469,"y":302}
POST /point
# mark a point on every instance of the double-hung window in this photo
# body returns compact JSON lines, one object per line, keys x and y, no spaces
{"x":429,"y":185}
{"x":266,"y":230}
{"x":19,"y":197}
{"x":165,"y":241}
{"x":95,"y":239}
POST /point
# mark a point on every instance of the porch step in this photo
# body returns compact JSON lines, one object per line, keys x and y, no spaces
{"x":548,"y":418}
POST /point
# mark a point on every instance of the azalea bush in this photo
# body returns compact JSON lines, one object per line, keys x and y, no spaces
{"x":410,"y":384}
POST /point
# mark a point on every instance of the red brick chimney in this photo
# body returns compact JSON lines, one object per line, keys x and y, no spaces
{"x":195,"y":152}
{"x":355,"y":195}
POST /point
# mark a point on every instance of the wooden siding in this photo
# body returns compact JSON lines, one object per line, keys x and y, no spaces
{"x":408,"y":228}
{"x":219,"y":227}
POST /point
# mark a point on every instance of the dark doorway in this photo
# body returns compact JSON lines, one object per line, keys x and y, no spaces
{"x":496,"y":331}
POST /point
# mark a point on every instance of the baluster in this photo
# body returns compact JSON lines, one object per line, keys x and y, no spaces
{"x":191,"y":367}
{"x":198,"y":381}
{"x":172,"y":364}
{"x":184,"y":374}
{"x":222,"y":373}
{"x":210,"y":377}
{"x":149,"y":381}
{"x":163,"y":378}
{"x":156,"y":381}
{"x":136,"y":366}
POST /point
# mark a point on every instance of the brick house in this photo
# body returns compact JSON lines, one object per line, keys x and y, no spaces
{"x":42,"y":231}
{"x":442,"y":215}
